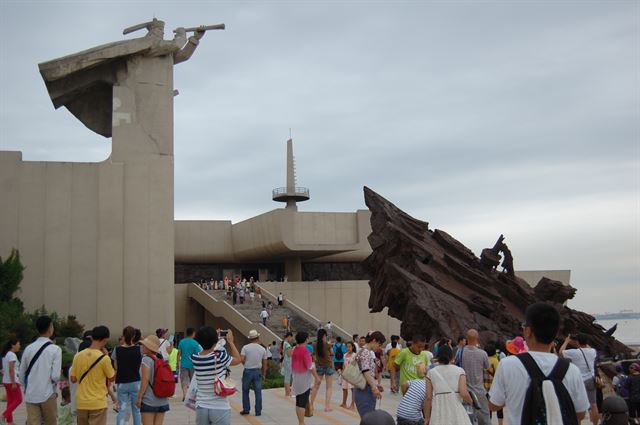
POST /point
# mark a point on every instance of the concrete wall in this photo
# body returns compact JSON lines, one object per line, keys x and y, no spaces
{"x":345,"y":303}
{"x":317,"y":236}
{"x":97,"y":238}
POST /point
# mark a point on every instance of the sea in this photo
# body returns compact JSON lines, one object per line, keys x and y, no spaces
{"x":628,"y":331}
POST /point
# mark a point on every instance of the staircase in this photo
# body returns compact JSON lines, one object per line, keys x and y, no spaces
{"x":274,"y":323}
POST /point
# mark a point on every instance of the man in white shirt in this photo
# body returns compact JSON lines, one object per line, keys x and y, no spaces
{"x":40,"y":373}
{"x":584,"y":357}
{"x":254,"y":359}
{"x":264,"y":315}
{"x":512,"y":380}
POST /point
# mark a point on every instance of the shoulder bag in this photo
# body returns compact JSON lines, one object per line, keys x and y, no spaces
{"x":353,"y":375}
{"x":222,"y":387}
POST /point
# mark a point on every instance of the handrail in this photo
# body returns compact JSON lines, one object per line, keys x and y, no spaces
{"x":223,"y":307}
{"x":286,"y":191}
{"x":305,"y":315}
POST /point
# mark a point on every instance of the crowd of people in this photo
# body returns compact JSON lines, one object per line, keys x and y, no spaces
{"x":439,"y":384}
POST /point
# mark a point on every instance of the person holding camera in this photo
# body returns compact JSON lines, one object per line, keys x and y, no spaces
{"x":584,"y":357}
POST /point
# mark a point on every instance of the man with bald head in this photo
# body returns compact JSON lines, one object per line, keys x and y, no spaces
{"x":475,"y":361}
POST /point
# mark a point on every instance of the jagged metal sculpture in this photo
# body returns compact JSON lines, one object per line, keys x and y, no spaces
{"x":439,"y":288}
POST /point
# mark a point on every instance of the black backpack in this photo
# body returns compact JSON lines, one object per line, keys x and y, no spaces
{"x":534,"y":410}
{"x":339,"y":353}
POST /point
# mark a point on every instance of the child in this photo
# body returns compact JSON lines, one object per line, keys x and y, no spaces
{"x":346,"y":387}
{"x":65,"y":417}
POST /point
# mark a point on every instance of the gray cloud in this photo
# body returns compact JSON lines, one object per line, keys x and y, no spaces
{"x":481,"y":118}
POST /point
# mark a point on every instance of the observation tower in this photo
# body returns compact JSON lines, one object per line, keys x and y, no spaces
{"x":290,"y":193}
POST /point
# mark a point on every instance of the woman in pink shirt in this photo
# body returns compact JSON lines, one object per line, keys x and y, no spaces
{"x":303,"y":375}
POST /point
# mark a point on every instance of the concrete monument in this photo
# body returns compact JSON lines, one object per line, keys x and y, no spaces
{"x":97,"y":239}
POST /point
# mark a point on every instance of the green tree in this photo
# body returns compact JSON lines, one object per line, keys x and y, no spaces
{"x":10,"y":275}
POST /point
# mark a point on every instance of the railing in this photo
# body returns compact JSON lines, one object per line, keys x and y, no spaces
{"x":221,"y":308}
{"x":296,"y":191}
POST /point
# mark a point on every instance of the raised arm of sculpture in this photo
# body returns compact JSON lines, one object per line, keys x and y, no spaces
{"x":190,"y":47}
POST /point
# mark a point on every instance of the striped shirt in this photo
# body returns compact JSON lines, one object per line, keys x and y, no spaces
{"x":207,"y":368}
{"x":410,"y":406}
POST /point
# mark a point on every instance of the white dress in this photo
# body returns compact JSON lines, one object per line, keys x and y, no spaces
{"x":446,"y":407}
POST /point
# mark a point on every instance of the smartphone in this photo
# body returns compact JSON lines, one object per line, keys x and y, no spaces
{"x":224,"y":333}
{"x":171,"y":338}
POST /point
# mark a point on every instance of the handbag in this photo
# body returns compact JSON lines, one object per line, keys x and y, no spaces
{"x":223,"y":387}
{"x":192,"y":394}
{"x":353,"y":375}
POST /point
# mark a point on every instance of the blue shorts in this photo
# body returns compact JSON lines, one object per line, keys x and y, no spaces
{"x":325,"y":370}
{"x":145,"y":408}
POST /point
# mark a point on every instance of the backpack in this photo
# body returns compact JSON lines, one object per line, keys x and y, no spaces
{"x":622,"y":388}
{"x":339,"y":353}
{"x":540,"y":405}
{"x":164,"y":384}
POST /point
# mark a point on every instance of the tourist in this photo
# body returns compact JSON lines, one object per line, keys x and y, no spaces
{"x":304,"y":377}
{"x":287,"y":348}
{"x":329,"y":328}
{"x":494,"y":360}
{"x":259,"y":292}
{"x":362,"y":341}
{"x":65,"y":414}
{"x":511,"y":381}
{"x":285,"y":323}
{"x":86,"y":341}
{"x":242,"y":293}
{"x":392,"y":353}
{"x":210,"y":364}
{"x":10,"y":368}
{"x":584,"y":357}
{"x":127,"y":359}
{"x":186,"y":348}
{"x":254,"y":360}
{"x":40,"y":383}
{"x":475,"y":361}
{"x":346,"y":387}
{"x":411,"y":408}
{"x":165,"y":344}
{"x":633,"y":387}
{"x":457,"y":350}
{"x":280,"y":299}
{"x":446,"y":388}
{"x":339,"y":350}
{"x":365,"y":359}
{"x":152,"y":408}
{"x":252,"y":294}
{"x":264,"y":315}
{"x":270,"y":308}
{"x":275,"y":353}
{"x":411,"y":362}
{"x":91,"y":369}
{"x":323,"y":356}
{"x":235,"y":295}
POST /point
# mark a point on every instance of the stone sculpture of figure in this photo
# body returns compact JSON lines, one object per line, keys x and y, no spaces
{"x":82,"y":82}
{"x":490,"y":257}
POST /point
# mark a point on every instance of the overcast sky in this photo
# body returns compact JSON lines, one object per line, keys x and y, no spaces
{"x":521,"y":118}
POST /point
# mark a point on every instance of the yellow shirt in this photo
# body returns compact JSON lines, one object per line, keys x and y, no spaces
{"x":173,"y":359}
{"x":92,"y":391}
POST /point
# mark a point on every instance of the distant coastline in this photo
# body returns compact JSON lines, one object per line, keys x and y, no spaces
{"x":623,"y":315}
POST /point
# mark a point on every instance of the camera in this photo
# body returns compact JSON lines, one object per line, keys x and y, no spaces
{"x":224,"y":333}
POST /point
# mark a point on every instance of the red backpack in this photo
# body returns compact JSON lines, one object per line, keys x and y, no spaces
{"x":164,"y":383}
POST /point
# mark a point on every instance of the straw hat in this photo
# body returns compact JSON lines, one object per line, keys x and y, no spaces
{"x":517,"y":345}
{"x":152,"y":343}
{"x":253,"y":334}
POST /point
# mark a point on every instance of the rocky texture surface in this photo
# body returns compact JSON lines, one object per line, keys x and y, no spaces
{"x":438,"y":287}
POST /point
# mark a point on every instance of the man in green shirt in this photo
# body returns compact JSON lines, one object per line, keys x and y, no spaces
{"x":412,"y":363}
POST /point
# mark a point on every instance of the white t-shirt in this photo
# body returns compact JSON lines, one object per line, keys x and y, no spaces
{"x":8,"y":358}
{"x":253,"y":354}
{"x":576,"y":357}
{"x":512,"y":380}
{"x":264,"y":314}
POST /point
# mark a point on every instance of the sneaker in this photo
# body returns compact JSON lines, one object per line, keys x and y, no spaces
{"x":244,"y":412}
